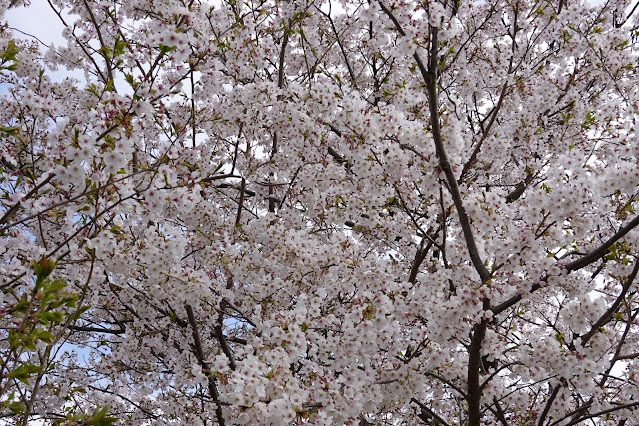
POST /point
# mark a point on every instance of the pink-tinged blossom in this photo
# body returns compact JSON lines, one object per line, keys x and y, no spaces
{"x":320,"y":213}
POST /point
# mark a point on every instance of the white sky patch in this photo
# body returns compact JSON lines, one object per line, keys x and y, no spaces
{"x":37,"y":21}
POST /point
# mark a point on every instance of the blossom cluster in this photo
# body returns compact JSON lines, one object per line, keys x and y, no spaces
{"x":320,"y":212}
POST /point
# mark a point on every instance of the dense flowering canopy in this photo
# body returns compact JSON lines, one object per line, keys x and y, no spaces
{"x":321,"y":212}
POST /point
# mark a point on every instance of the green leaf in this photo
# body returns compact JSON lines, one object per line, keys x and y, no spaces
{"x":45,"y":336}
{"x":10,"y":52}
{"x":77,"y":314}
{"x":29,"y":343}
{"x":14,"y":339}
{"x":118,"y":48}
{"x":69,"y":302}
{"x":105,"y":52}
{"x":129,"y":79}
{"x":99,"y":418}
{"x":54,"y":286}
{"x":166,"y":49}
{"x":93,"y":89}
{"x":11,"y":131}
{"x":49,"y":317}
{"x":15,"y":407}
{"x":590,"y":119}
{"x":43,"y":267}
{"x":22,"y":305}
{"x":24,"y":372}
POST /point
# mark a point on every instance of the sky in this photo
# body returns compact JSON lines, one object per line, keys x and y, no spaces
{"x":37,"y":20}
{"x":39,"y":23}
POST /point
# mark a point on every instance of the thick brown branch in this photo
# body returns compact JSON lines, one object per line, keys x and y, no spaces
{"x":429,"y":77}
{"x":600,"y":251}
{"x":444,"y":163}
{"x":419,"y":258}
{"x":519,"y":190}
{"x":222,"y":338}
{"x":193,"y":122}
{"x":218,"y":177}
{"x":582,"y":262}
{"x":240,"y":203}
{"x":31,"y":193}
{"x":199,"y":354}
{"x":549,"y":402}
{"x":627,"y":356}
{"x":338,"y":158}
{"x":96,"y":329}
{"x":613,"y":308}
{"x":500,"y":413}
{"x":601,"y":413}
{"x":479,"y":330}
{"x":280,"y":84}
{"x":428,"y":415}
{"x":473,"y":156}
{"x":239,"y":188}
{"x":474,"y":368}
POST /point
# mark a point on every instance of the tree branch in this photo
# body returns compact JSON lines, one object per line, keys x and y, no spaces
{"x":582,"y":262}
{"x":602,"y":412}
{"x":427,"y":415}
{"x":240,"y":203}
{"x":96,"y":329}
{"x":429,"y":77}
{"x":199,"y":354}
{"x":613,"y":308}
{"x":600,"y":251}
{"x":420,"y":255}
{"x":16,"y":206}
{"x":549,"y":402}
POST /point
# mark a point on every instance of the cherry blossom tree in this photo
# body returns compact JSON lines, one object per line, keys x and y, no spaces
{"x":321,"y":212}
